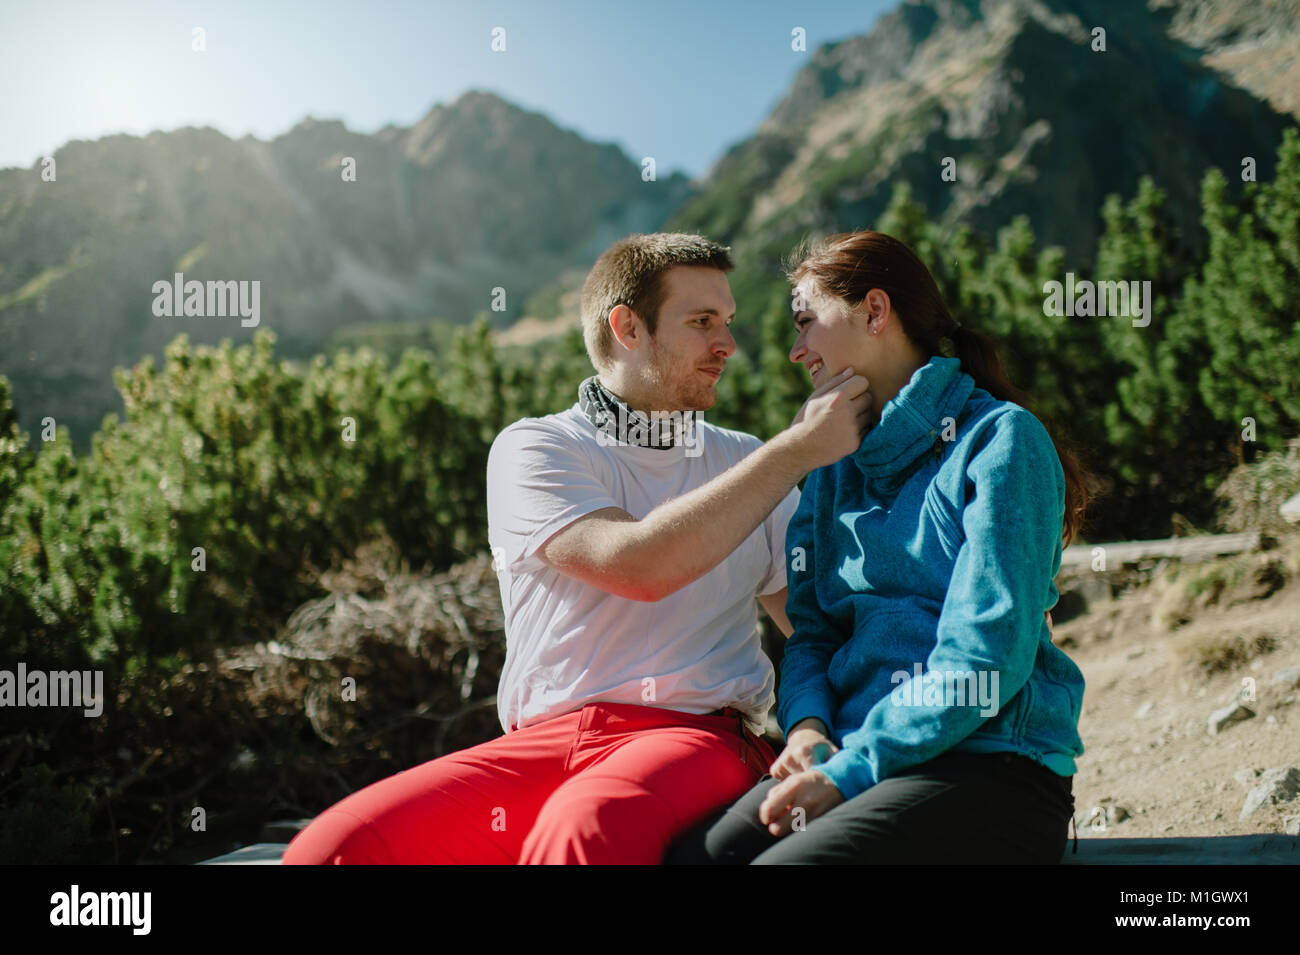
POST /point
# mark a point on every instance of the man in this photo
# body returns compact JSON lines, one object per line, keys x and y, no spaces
{"x":631,"y":539}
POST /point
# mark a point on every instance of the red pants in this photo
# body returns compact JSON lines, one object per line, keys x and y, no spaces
{"x":610,"y":783}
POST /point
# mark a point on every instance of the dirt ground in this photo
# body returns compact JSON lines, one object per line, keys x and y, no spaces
{"x":1158,"y":660}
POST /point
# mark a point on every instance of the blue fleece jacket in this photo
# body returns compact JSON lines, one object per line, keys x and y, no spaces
{"x":919,"y":568}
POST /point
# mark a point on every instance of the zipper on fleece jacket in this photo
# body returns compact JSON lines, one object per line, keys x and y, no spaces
{"x":916,"y":416}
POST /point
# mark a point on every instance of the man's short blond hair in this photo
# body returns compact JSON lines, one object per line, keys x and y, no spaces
{"x":630,"y":272}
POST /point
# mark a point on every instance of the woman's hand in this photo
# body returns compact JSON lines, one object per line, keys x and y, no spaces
{"x":805,"y":747}
{"x":797,"y":801}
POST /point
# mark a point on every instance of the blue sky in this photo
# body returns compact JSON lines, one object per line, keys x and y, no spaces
{"x":673,"y":79}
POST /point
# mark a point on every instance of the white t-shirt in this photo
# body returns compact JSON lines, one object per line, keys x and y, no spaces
{"x":569,"y":643}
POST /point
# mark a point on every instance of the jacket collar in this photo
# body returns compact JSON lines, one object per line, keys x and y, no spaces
{"x":913,"y":421}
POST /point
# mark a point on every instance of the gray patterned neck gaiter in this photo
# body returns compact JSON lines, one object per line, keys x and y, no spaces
{"x":615,"y":422}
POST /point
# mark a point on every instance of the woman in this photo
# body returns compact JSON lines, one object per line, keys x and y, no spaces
{"x":928,"y":716}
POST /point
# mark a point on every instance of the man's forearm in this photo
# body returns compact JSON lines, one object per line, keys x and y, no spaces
{"x":683,"y":539}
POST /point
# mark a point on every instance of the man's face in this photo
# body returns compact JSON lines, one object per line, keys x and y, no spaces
{"x":692,"y":340}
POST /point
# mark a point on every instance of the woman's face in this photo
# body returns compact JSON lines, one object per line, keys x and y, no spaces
{"x":830,"y":335}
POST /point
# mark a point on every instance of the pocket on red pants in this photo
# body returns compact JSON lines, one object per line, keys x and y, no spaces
{"x":756,"y":753}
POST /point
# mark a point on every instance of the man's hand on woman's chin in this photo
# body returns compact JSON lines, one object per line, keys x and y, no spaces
{"x":834,"y":418}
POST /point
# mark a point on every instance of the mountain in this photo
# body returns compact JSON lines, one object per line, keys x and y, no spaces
{"x":1037,"y":121}
{"x":478,"y":194}
{"x":1256,"y":43}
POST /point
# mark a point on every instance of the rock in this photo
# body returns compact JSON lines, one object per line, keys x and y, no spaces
{"x":1143,"y":710}
{"x":1102,"y":817}
{"x":1241,"y":694}
{"x":1288,"y":678}
{"x":1291,"y":825}
{"x":1232,"y":713}
{"x":1290,"y":509}
{"x":1246,"y":776}
{"x":1094,"y":818}
{"x":1275,"y":786}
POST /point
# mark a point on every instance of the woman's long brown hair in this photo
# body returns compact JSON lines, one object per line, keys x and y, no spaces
{"x":848,"y":265}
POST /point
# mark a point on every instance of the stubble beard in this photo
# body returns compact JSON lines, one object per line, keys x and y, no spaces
{"x":674,"y":384}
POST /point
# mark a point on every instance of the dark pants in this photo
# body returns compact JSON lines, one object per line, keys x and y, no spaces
{"x":959,"y":808}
